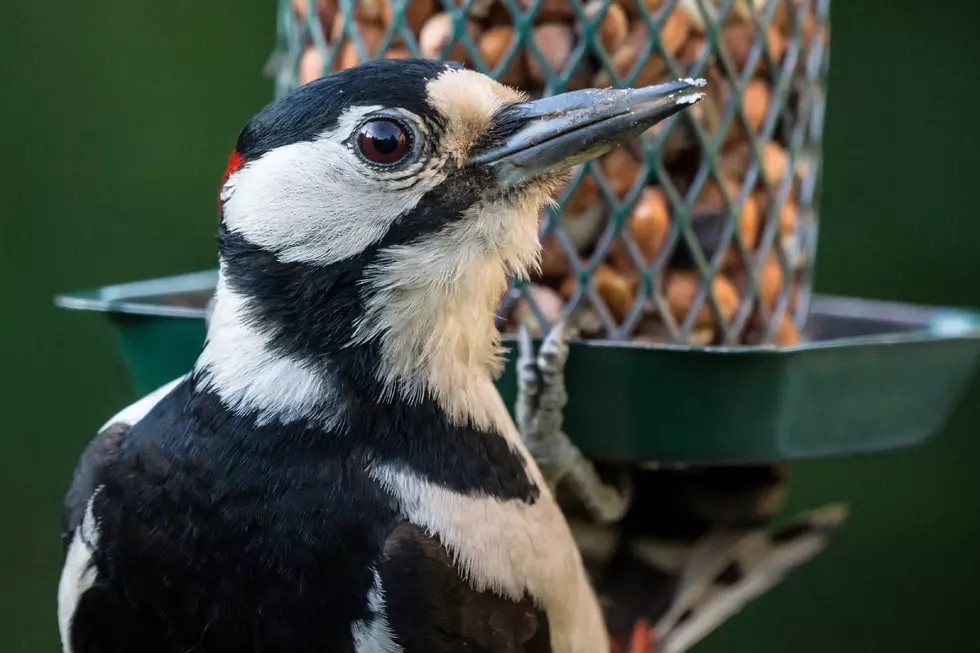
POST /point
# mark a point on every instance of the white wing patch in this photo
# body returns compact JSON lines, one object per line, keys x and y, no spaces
{"x":375,"y":636}
{"x":509,"y":546}
{"x":133,"y":413}
{"x":78,"y":574}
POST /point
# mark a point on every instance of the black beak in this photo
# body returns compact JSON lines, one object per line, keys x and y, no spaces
{"x":561,"y":131}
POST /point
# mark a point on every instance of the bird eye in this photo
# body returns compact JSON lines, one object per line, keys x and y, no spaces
{"x":383,"y":142}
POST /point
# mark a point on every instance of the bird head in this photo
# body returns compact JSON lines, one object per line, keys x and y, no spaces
{"x":370,"y":218}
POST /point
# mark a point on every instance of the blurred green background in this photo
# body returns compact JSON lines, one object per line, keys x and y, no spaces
{"x":115,"y":121}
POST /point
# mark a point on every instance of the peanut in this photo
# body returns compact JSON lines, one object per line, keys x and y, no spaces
{"x":613,"y":27}
{"x":625,"y":58}
{"x":554,"y":262}
{"x":774,"y":162}
{"x":756,"y":103}
{"x":310,"y":64}
{"x":438,"y":31}
{"x":550,"y":10}
{"x":771,"y":281}
{"x":788,"y":335}
{"x":554,"y":42}
{"x":398,"y":53}
{"x":494,"y":44}
{"x":348,"y":57}
{"x":675,"y":31}
{"x":621,"y":170}
{"x":682,"y":288}
{"x":615,"y":290}
{"x":417,"y":12}
{"x":549,"y":303}
{"x":649,"y":222}
{"x":777,"y":44}
{"x":325,"y":10}
{"x":584,"y":197}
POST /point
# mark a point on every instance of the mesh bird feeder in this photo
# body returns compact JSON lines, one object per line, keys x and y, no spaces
{"x":702,"y":231}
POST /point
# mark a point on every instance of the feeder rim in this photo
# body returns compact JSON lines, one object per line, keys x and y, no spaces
{"x":925,"y":322}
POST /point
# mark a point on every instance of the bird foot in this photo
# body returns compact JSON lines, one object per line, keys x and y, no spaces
{"x":541,"y":399}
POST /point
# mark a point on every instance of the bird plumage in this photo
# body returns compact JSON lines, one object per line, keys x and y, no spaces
{"x":338,"y":472}
{"x":224,"y":535}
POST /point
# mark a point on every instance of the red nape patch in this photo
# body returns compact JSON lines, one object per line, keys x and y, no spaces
{"x":235,"y":163}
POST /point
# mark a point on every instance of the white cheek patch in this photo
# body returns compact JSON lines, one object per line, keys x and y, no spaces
{"x":317,"y":202}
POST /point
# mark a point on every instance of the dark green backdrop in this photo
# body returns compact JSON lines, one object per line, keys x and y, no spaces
{"x":115,"y":120}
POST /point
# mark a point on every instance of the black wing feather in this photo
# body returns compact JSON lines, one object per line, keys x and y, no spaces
{"x":432,"y":609}
{"x":99,"y":453}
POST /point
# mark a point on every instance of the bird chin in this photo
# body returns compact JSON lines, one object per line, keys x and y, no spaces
{"x":549,"y":184}
{"x":543,"y":188}
{"x":509,"y":220}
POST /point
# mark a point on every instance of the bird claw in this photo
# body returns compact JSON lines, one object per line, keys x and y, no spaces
{"x":541,"y":399}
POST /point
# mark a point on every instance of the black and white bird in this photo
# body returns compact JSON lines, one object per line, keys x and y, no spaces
{"x":338,"y":471}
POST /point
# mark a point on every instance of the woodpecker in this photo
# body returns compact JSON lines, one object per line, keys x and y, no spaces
{"x":338,"y":472}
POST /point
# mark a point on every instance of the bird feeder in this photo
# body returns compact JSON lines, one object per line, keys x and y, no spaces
{"x":683,"y":261}
{"x":703,"y":230}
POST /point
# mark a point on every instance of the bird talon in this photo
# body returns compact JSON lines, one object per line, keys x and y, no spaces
{"x":527,"y":366}
{"x":525,"y":409}
{"x":525,"y":345}
{"x":554,"y":351}
{"x":553,"y":397}
{"x":539,"y":412}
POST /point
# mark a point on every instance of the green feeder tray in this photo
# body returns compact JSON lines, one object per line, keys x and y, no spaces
{"x":871,"y":376}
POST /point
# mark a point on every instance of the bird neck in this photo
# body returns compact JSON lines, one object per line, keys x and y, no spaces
{"x":311,"y":343}
{"x":434,"y":329}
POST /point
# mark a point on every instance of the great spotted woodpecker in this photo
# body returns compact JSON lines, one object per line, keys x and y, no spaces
{"x":338,"y":472}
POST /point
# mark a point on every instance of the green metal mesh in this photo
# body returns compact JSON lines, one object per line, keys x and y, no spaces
{"x":703,"y":231}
